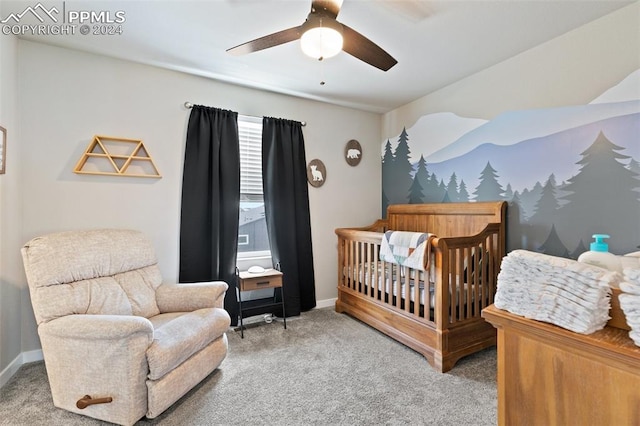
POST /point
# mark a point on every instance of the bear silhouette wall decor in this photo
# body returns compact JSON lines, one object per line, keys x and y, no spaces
{"x":316,"y":173}
{"x":353,"y":152}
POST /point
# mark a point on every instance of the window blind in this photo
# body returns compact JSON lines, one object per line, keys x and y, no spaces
{"x":250,"y":135}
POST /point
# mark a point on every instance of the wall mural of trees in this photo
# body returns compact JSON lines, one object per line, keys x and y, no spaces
{"x":566,"y":173}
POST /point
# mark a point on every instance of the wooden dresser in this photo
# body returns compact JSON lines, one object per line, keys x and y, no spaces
{"x":548,"y":375}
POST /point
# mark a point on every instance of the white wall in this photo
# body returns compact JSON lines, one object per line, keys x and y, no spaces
{"x":13,"y":291}
{"x":67,"y":97}
{"x":571,"y":69}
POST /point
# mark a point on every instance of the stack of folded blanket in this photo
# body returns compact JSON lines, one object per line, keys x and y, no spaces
{"x":630,"y":301}
{"x":564,"y":292}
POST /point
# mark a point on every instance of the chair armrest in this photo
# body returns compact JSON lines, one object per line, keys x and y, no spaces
{"x":98,"y":327}
{"x":190,"y":297}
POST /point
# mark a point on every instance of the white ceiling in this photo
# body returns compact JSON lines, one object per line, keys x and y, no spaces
{"x":435,"y":42}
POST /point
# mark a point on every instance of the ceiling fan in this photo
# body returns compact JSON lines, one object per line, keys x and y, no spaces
{"x":322,"y":36}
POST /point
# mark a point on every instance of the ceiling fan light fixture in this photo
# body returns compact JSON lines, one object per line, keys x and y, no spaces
{"x":321,"y":42}
{"x":322,"y":36}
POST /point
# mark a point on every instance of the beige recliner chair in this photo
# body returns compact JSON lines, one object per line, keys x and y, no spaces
{"x":119,"y":344}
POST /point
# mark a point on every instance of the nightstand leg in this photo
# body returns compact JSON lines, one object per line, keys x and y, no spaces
{"x":284,"y":314}
{"x":239,"y":293}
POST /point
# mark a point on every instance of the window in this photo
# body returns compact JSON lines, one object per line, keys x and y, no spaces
{"x":253,"y":240}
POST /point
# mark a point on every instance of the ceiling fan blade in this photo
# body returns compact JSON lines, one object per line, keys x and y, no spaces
{"x":332,"y":7}
{"x":271,"y":40}
{"x":357,"y":45}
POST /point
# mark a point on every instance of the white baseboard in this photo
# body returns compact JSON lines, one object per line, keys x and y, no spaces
{"x":32,"y":356}
{"x":326,"y":303}
{"x":10,"y":370}
{"x":14,"y":366}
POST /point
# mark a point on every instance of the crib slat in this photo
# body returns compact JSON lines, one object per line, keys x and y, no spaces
{"x":406,"y":285}
{"x":453,"y":313}
{"x":362,"y":267}
{"x":455,"y":308}
{"x":475,"y":262}
{"x":358,"y":266}
{"x":446,"y":309}
{"x":369,"y":271}
{"x":474,"y":283}
{"x":451,"y":288}
{"x":473,"y":288}
{"x":461,"y":277}
{"x":362,"y":271}
{"x":428,"y":288}
{"x":370,"y":266}
{"x":449,"y":307}
{"x":349,"y":263}
{"x":366,"y":269}
{"x":347,"y":267}
{"x":493,"y":267}
{"x":354,"y":266}
{"x":393,"y":299}
{"x":462,"y":281}
{"x":357,"y":284}
{"x":483,"y":284}
{"x":396,"y":285}
{"x":384,"y":273}
{"x":376,"y":278}
{"x":416,"y":292}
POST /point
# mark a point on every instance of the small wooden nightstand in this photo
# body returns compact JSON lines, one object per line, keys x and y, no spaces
{"x":271,"y":278}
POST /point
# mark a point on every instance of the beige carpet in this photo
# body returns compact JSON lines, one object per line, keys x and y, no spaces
{"x":325,"y":369}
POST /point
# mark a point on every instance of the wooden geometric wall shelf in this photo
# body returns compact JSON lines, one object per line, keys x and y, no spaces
{"x":110,"y":156}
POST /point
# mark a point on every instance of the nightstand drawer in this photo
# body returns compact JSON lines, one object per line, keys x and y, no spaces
{"x":270,"y":278}
{"x":258,"y":283}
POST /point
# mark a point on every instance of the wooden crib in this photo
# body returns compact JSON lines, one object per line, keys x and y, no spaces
{"x":435,"y":312}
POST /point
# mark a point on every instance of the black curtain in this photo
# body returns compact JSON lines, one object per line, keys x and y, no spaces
{"x":211,"y":201}
{"x":286,"y":204}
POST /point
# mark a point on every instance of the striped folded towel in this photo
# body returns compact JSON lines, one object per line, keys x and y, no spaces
{"x":411,"y":249}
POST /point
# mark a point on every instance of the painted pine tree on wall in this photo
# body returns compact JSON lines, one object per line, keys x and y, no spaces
{"x":402,"y":169}
{"x":387,"y":167}
{"x":553,"y":245}
{"x":463,"y":195}
{"x":600,"y":196}
{"x":423,"y":177}
{"x":489,"y":189}
{"x":547,"y":205}
{"x":553,"y":218}
{"x":452,"y":188}
{"x":398,"y":175}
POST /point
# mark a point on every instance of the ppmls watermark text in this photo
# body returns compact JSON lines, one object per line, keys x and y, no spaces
{"x":57,"y":20}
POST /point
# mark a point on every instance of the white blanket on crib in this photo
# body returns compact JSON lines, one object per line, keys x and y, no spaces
{"x":411,"y":249}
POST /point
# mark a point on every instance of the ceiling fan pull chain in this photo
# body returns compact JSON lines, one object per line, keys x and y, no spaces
{"x":321,"y":70}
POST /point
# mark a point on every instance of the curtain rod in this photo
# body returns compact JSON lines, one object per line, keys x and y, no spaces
{"x":189,"y":105}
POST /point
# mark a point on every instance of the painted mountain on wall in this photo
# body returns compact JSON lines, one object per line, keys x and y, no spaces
{"x":567,"y":173}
